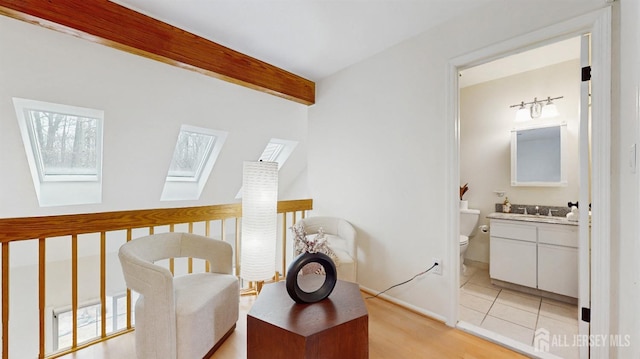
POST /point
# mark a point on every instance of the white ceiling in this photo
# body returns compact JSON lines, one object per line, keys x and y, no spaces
{"x":525,"y":61}
{"x":310,"y":38}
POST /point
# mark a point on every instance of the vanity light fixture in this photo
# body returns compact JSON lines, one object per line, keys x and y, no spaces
{"x":537,"y":108}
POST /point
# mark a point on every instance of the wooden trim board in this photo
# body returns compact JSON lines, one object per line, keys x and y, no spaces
{"x":114,"y":25}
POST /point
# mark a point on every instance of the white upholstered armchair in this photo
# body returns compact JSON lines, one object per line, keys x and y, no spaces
{"x":341,"y":239}
{"x":188,"y":316}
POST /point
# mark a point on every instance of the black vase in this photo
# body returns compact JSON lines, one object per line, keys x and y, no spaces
{"x":299,"y":295}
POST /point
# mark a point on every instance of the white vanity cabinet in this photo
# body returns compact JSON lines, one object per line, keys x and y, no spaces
{"x":558,"y":259}
{"x":512,"y":252}
{"x":535,"y":255}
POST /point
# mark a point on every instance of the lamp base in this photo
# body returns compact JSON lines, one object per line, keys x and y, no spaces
{"x":256,"y":286}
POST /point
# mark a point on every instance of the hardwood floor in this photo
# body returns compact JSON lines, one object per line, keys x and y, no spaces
{"x":394,"y":332}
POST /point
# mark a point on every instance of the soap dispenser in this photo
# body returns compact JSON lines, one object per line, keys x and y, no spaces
{"x":506,"y":206}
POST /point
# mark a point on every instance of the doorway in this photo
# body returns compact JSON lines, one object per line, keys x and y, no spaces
{"x":499,"y":100}
{"x":598,"y":24}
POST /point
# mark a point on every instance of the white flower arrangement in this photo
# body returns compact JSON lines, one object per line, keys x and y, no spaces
{"x":311,"y":244}
{"x":304,"y":243}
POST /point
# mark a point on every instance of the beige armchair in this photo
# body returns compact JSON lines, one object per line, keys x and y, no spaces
{"x":341,"y":239}
{"x":183,"y":317}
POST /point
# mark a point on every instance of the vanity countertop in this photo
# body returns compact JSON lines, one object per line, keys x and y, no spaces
{"x":532,"y":218}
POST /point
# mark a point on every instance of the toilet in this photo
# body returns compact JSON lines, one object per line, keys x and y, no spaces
{"x":468,"y":224}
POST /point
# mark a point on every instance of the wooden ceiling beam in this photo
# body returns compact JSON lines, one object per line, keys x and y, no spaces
{"x":114,"y":25}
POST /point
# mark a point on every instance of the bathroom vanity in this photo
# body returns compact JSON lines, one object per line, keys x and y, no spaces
{"x":536,"y":252}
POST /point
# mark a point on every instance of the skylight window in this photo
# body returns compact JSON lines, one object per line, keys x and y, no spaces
{"x":190,"y":155}
{"x":63,"y":145}
{"x":193,"y":159}
{"x":277,"y":150}
{"x":271,"y":152}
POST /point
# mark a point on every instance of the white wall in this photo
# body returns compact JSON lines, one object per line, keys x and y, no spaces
{"x":145,"y":103}
{"x":486,"y":122}
{"x":378,"y":144}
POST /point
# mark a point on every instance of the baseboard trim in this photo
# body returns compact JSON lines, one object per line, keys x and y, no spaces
{"x":405,"y":305}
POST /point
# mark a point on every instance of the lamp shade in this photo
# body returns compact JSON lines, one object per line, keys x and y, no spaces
{"x":259,"y":220}
{"x":550,"y":110}
{"x":523,"y":114}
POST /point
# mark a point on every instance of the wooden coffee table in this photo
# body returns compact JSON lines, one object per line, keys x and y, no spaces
{"x":337,"y":327}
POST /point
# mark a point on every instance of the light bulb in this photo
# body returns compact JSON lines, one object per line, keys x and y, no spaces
{"x":549,"y":109}
{"x":522,"y":114}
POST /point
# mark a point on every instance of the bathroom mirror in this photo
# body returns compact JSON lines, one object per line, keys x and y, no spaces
{"x":538,"y":156}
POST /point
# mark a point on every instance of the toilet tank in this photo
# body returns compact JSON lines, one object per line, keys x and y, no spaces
{"x":469,"y":221}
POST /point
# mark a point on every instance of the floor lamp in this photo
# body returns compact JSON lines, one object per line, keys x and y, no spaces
{"x":259,"y":222}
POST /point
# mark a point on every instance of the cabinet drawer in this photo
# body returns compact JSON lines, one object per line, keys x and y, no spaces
{"x":558,"y":235}
{"x":509,"y":229}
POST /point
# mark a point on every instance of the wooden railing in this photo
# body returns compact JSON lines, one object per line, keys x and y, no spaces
{"x":108,"y":229}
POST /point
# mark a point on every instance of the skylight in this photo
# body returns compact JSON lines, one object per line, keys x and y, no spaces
{"x":271,"y":152}
{"x":193,"y":159}
{"x":63,"y":145}
{"x":190,"y":155}
{"x":277,"y":150}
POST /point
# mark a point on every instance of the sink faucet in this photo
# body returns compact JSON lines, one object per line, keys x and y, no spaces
{"x":525,"y":210}
{"x":550,"y":213}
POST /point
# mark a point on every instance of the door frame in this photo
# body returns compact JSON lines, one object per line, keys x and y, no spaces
{"x":598,"y":23}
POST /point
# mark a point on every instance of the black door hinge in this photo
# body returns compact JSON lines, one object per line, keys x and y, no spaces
{"x":586,"y":73}
{"x":586,"y":315}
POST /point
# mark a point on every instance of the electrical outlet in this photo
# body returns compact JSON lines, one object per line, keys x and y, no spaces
{"x":437,"y":269}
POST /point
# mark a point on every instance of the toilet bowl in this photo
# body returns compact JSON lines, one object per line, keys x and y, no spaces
{"x":468,"y":224}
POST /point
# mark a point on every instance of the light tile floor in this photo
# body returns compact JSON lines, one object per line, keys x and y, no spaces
{"x":516,"y":315}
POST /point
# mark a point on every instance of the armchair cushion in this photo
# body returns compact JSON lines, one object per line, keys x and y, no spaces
{"x":200,"y":309}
